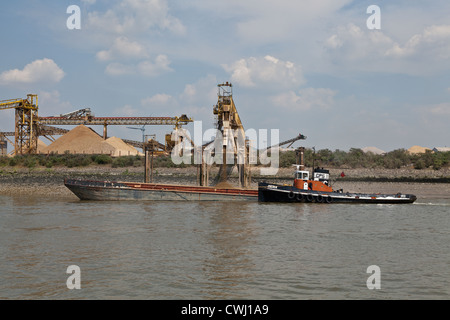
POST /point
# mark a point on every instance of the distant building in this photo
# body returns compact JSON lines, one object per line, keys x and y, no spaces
{"x":441,"y":149}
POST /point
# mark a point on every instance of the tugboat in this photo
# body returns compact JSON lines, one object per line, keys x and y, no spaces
{"x":319,"y":190}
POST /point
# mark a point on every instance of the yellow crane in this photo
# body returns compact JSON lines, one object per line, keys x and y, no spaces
{"x":232,"y":138}
{"x":26,"y":124}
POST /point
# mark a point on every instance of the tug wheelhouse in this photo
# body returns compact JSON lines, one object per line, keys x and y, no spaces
{"x":320,"y":181}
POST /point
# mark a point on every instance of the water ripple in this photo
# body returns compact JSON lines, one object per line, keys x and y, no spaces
{"x":195,"y":250}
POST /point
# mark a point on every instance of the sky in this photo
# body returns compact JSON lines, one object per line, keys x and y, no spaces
{"x":310,"y":67}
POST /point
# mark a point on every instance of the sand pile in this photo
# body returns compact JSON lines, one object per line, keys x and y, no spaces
{"x":417,"y":149}
{"x":373,"y":150}
{"x":83,"y":140}
{"x":41,"y":146}
{"x":121,"y":148}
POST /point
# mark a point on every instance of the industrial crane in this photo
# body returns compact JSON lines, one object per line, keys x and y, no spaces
{"x":29,"y":126}
{"x":232,"y":133}
{"x":77,"y":114}
{"x":290,"y":142}
{"x":26,"y":125}
{"x":231,"y":138}
{"x":143,"y":131}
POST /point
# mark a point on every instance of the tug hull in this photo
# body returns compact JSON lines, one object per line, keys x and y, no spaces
{"x":268,"y":192}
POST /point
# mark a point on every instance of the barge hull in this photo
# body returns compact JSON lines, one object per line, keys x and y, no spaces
{"x":125,"y":191}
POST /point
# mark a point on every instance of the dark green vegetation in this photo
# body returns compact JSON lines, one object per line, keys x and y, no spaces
{"x":354,"y":158}
{"x":71,"y":161}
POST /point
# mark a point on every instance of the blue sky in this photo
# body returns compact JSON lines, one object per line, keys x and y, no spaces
{"x":298,"y":66}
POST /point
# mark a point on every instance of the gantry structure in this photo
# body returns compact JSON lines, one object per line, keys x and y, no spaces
{"x":231,"y":141}
{"x":26,"y":123}
{"x":29,"y":126}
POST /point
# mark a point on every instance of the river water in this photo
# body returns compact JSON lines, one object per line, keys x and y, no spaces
{"x":219,"y":250}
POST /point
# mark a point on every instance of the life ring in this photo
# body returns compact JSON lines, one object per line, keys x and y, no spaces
{"x":319,"y":198}
{"x":309,"y":197}
{"x":299,"y":197}
{"x":291,"y":195}
{"x":329,"y":199}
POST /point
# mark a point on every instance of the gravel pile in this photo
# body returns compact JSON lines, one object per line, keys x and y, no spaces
{"x":83,"y":140}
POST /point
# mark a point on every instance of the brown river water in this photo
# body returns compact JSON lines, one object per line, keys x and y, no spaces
{"x":219,"y":250}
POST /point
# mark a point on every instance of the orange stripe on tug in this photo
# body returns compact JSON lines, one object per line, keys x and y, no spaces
{"x":311,"y":185}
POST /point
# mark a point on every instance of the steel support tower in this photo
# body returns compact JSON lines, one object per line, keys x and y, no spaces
{"x":230,"y":140}
{"x":26,"y":123}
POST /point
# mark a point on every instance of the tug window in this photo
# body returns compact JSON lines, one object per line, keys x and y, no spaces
{"x":302,"y":175}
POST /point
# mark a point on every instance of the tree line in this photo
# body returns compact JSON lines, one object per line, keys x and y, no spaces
{"x":354,"y":158}
{"x":357,"y":158}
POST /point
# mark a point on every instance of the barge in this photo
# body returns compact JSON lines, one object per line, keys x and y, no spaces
{"x":114,"y":191}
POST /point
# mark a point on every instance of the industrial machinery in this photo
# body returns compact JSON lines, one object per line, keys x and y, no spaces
{"x":290,"y":142}
{"x":231,"y":141}
{"x":111,"y":121}
{"x":29,"y":126}
{"x":26,"y":123}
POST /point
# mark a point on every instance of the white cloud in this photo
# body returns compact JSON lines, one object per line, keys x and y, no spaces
{"x":161,"y":105}
{"x":434,"y":41}
{"x":126,"y":111}
{"x":196,"y":101}
{"x":50,"y":104}
{"x":129,"y":30}
{"x":267,"y":70}
{"x":353,"y":47}
{"x":146,"y":68}
{"x":38,"y":71}
{"x":352,"y":42}
{"x":119,"y":69}
{"x":123,"y":48}
{"x":160,"y":99}
{"x":200,"y":93}
{"x":136,"y":17}
{"x":159,"y":66}
{"x":307,"y":99}
{"x":261,"y":22}
{"x":442,"y":109}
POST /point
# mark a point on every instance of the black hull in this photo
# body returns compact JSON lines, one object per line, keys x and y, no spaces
{"x":277,"y":193}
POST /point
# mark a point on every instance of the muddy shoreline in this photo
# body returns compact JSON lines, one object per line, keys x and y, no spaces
{"x":50,"y":182}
